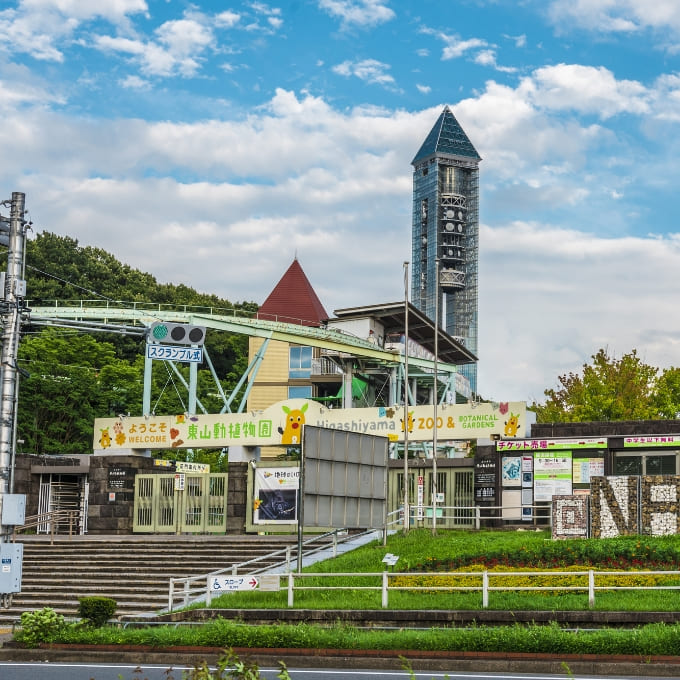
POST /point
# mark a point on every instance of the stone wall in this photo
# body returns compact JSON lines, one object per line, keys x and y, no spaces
{"x":112,"y":488}
{"x":570,"y":516}
{"x":27,"y":480}
{"x":237,"y":497}
{"x":112,"y":492}
{"x":622,"y":505}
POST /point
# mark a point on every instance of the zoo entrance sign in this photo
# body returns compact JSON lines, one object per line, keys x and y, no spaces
{"x":280,"y":425}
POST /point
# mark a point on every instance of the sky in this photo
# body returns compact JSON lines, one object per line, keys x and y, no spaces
{"x":212,"y":142}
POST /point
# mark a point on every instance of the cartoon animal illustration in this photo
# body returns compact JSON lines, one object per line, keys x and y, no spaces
{"x":410,"y":422}
{"x":503,"y":407}
{"x":295,"y":419}
{"x":511,"y":425}
{"x":105,"y":438}
{"x":120,"y":434}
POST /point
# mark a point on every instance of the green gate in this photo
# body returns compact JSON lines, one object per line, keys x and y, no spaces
{"x":180,"y":503}
{"x":456,"y":486}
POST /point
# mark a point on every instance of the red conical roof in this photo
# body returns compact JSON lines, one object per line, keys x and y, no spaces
{"x":293,"y":300}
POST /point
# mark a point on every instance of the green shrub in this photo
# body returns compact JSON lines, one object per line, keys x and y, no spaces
{"x":39,"y":626}
{"x":96,"y":610}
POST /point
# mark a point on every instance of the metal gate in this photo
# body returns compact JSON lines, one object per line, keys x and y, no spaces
{"x":63,"y":493}
{"x":455,"y":484}
{"x":180,"y":503}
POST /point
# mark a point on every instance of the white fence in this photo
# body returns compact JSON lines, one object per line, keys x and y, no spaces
{"x":294,"y":582}
{"x":184,"y":591}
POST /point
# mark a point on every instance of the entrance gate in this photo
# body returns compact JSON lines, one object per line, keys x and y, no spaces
{"x":180,"y":503}
{"x":59,"y":492}
{"x":455,"y":484}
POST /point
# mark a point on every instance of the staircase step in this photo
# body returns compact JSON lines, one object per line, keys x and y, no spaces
{"x":135,"y":572}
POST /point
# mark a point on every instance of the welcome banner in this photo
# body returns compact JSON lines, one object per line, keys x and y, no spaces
{"x":281,"y":423}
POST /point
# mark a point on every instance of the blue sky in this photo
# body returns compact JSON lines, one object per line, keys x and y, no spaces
{"x":209,"y":143}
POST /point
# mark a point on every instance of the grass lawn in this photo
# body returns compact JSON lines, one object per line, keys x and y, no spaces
{"x":419,"y":551}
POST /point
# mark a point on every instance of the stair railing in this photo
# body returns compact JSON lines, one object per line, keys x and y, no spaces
{"x":54,"y":519}
{"x":183,"y":591}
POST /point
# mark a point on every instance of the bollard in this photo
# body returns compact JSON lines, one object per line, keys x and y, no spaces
{"x":171,"y":593}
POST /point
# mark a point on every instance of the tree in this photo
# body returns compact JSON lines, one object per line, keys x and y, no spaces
{"x":666,"y":397}
{"x":607,"y":389}
{"x":74,"y":378}
{"x":71,"y":380}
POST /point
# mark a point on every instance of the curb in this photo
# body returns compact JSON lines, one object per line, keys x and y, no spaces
{"x":599,"y":664}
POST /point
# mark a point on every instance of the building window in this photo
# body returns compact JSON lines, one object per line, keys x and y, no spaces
{"x":652,"y":463}
{"x":300,"y":392}
{"x":300,"y":363}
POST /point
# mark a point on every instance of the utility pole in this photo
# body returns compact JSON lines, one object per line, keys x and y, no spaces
{"x":12,"y":305}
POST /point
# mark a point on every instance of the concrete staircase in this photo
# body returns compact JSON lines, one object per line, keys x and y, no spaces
{"x":133,"y":570}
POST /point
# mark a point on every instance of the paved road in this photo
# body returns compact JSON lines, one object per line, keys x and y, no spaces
{"x":73,"y":671}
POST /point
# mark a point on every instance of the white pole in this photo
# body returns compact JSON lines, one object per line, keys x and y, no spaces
{"x":435,"y":399}
{"x":407,"y":512}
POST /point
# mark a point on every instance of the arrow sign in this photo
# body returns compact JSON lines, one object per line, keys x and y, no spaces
{"x":231,"y":583}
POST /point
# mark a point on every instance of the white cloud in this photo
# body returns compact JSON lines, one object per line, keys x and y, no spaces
{"x":457,"y":48}
{"x":177,"y":49}
{"x":360,"y":13}
{"x":369,"y":70}
{"x":227,"y":19}
{"x":299,"y":175}
{"x":135,"y":83}
{"x":272,"y":17}
{"x":85,"y":10}
{"x":588,"y":90}
{"x":488,"y":58}
{"x":619,"y":16}
{"x":544,"y":311}
{"x":519,"y":40}
{"x":423,"y":89}
{"x":39,"y":27}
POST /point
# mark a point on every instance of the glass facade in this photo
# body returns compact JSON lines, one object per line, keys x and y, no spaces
{"x":446,"y":229}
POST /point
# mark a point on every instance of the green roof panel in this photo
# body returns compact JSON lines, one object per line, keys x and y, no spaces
{"x":447,"y":137}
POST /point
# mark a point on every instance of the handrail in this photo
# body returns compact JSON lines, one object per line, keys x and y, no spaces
{"x":198,"y":587}
{"x":53,"y":518}
{"x":484,"y":587}
{"x":154,"y":307}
